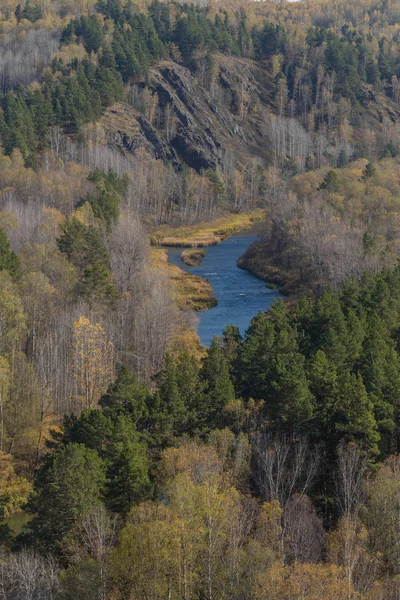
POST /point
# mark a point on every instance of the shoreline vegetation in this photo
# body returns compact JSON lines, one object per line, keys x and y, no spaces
{"x":191,"y":291}
{"x":253,"y":261}
{"x":206,"y":234}
{"x":193,"y":258}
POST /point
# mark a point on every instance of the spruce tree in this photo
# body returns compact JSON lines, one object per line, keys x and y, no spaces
{"x":354,"y":419}
{"x":9,"y":261}
{"x":219,"y":389}
{"x":127,"y":395}
{"x":171,"y":397}
{"x":330,"y":182}
{"x":66,"y":488}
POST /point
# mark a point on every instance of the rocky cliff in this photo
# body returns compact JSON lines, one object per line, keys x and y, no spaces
{"x":220,"y":119}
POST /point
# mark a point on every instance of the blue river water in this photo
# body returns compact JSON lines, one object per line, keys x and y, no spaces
{"x":240,"y":295}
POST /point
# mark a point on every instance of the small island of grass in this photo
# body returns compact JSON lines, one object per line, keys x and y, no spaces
{"x":193,"y":258}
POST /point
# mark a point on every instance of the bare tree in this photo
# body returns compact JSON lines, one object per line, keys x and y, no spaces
{"x":28,"y":576}
{"x":57,"y":141}
{"x":129,"y":251}
{"x":22,"y":58}
{"x":99,"y":533}
{"x":303,"y":532}
{"x":284,"y":469}
{"x":352,"y":469}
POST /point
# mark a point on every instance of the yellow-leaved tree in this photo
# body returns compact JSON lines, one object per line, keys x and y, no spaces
{"x":93,"y":363}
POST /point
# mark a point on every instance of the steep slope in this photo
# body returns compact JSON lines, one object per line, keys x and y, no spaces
{"x":229,"y":116}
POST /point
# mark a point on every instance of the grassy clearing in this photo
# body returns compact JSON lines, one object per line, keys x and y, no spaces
{"x":203,"y":235}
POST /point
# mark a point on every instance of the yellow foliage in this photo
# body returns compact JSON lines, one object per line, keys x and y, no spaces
{"x":185,"y":339}
{"x":8,"y":221}
{"x":71,"y":51}
{"x":298,"y":581}
{"x":14,"y":489}
{"x":200,"y":461}
{"x":93,"y":363}
{"x":85,"y":215}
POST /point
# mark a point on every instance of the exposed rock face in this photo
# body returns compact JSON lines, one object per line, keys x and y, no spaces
{"x":211,"y":126}
{"x":222,"y":124}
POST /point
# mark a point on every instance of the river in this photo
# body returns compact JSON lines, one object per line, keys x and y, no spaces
{"x":240,"y":295}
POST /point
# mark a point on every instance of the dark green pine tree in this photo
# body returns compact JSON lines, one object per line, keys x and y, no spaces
{"x":324,"y":386}
{"x":118,"y":443}
{"x":330,"y":182}
{"x":90,"y":30}
{"x":97,"y":283}
{"x":191,"y":389}
{"x":109,"y":86}
{"x":289,"y":399}
{"x":84,"y":248}
{"x":9,"y":261}
{"x":72,"y":240}
{"x":66,"y":488}
{"x":218,"y":390}
{"x":42,"y":114}
{"x":330,"y":331}
{"x":342,"y":160}
{"x":92,"y":429}
{"x":256,"y":350}
{"x":159,"y":430}
{"x":5,"y":133}
{"x":369,"y":171}
{"x":127,"y":395}
{"x":183,"y":37}
{"x":20,"y":124}
{"x":354,"y":419}
{"x":105,"y":202}
{"x":273,"y":370}
{"x":172,"y":401}
{"x":379,"y":366}
{"x":128,"y":463}
{"x":107,"y":58}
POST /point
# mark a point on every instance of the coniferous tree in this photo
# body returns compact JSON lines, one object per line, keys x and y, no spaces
{"x":68,"y":486}
{"x":219,"y":389}
{"x":127,"y":395}
{"x":8,"y":259}
{"x":170,"y":396}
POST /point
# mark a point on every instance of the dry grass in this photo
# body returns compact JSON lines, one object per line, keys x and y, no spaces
{"x":203,"y":235}
{"x":193,"y":258}
{"x":189,"y":291}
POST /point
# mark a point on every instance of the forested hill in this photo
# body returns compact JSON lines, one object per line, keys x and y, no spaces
{"x":338,"y":81}
{"x":134,"y":462}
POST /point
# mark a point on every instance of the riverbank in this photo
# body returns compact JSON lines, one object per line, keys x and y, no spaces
{"x":240,"y":295}
{"x":189,"y":291}
{"x":193,"y":258}
{"x":205,"y":235}
{"x":254,"y":261}
{"x":193,"y":291}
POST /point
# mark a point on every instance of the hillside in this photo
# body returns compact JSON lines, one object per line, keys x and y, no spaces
{"x":135,"y":462}
{"x":229,"y":117}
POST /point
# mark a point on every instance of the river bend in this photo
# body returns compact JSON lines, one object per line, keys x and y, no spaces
{"x":240,"y":295}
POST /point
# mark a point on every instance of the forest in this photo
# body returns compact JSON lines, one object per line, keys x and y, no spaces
{"x":136,"y":463}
